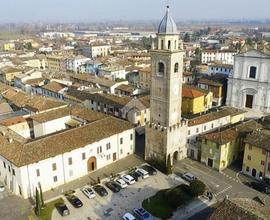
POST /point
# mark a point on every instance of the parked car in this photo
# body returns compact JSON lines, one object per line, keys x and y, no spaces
{"x":189,"y":177}
{"x":128,"y":179}
{"x":151,"y":170}
{"x":143,"y":173}
{"x":121,"y":183}
{"x":2,"y":188}
{"x":128,"y":216}
{"x":62,"y":209}
{"x":261,"y":187}
{"x":142,"y":214}
{"x":75,"y":201}
{"x":135,"y":175}
{"x":100,"y":190}
{"x":113,"y":186}
{"x":88,"y":192}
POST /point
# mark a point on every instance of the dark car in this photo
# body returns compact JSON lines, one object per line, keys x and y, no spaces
{"x":62,"y":209}
{"x":75,"y":201}
{"x":100,"y":190}
{"x":261,"y":187}
{"x":135,"y":175}
{"x":113,"y":186}
{"x":151,"y":170}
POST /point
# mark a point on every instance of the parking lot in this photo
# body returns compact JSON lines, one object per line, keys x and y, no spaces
{"x":115,"y":205}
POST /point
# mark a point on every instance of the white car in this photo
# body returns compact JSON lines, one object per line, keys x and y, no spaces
{"x":189,"y":177}
{"x":121,"y":183}
{"x":143,"y":173}
{"x":128,"y":179}
{"x":88,"y":192}
{"x":2,"y":188}
{"x":128,"y":216}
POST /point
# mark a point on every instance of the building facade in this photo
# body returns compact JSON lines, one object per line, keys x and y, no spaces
{"x":249,"y":86}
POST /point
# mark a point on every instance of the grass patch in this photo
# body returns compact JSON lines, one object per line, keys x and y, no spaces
{"x":165,"y":202}
{"x":46,"y":212}
{"x":157,"y":206}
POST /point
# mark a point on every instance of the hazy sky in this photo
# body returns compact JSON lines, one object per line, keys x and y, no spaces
{"x":116,"y":10}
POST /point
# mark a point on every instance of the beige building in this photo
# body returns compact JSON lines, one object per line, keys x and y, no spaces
{"x":8,"y":74}
{"x":56,"y":63}
{"x":145,"y":78}
{"x":166,"y":132}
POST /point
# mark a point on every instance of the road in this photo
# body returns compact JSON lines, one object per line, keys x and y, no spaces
{"x":221,"y":184}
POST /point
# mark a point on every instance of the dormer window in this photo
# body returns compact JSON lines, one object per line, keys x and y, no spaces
{"x":252,"y":72}
{"x":161,"y":68}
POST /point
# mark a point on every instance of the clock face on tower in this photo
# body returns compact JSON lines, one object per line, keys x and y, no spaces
{"x":176,"y":89}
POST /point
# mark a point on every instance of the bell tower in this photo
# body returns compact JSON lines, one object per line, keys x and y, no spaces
{"x":166,"y":131}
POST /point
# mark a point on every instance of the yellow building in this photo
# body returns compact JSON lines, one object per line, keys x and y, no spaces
{"x":9,"y":46}
{"x":8,"y":74}
{"x":192,"y":101}
{"x":56,"y":63}
{"x":222,"y":147}
{"x":256,"y":162}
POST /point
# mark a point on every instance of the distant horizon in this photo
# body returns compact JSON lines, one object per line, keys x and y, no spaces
{"x":92,"y":11}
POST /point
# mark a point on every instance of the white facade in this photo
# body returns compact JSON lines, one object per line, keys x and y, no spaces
{"x":27,"y":178}
{"x":112,"y":73}
{"x":74,"y":63}
{"x":220,"y":69}
{"x":249,"y":86}
{"x":224,"y":56}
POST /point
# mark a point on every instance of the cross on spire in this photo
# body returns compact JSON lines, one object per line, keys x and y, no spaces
{"x":168,"y":3}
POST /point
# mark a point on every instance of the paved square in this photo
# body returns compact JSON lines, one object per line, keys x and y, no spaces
{"x":115,"y":205}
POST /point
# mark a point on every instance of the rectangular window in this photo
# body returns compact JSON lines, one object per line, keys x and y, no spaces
{"x":4,"y":164}
{"x":121,"y":151}
{"x":252,"y":72}
{"x":54,"y":166}
{"x":38,"y":172}
{"x":13,"y":172}
{"x":70,"y":161}
{"x":83,"y":156}
{"x":197,"y":130}
{"x":262,"y":162}
{"x":131,"y":137}
{"x":70,"y":172}
{"x":204,"y":128}
{"x":249,"y":157}
{"x":188,"y":132}
{"x":108,"y":146}
{"x":247,"y":169}
{"x":121,"y":140}
{"x":8,"y":168}
{"x":55,"y":179}
{"x":108,"y":157}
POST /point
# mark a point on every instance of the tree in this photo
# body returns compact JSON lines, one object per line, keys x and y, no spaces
{"x":249,"y":41}
{"x":186,"y":38}
{"x":169,"y":165}
{"x":41,"y":196}
{"x":197,"y":188}
{"x":38,"y":207}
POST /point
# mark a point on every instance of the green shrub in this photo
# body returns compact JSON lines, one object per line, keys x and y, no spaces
{"x":197,"y":188}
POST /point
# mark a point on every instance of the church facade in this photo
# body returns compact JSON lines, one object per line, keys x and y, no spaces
{"x":249,"y":86}
{"x":166,"y":132}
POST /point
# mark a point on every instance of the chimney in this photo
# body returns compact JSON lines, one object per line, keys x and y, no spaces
{"x":10,"y":140}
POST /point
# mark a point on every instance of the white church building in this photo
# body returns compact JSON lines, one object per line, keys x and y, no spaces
{"x":249,"y":85}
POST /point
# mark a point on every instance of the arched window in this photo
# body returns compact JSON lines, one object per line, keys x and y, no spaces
{"x":162,"y":44}
{"x":176,"y":67}
{"x":175,"y":45}
{"x":169,"y":45}
{"x":161,"y":68}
